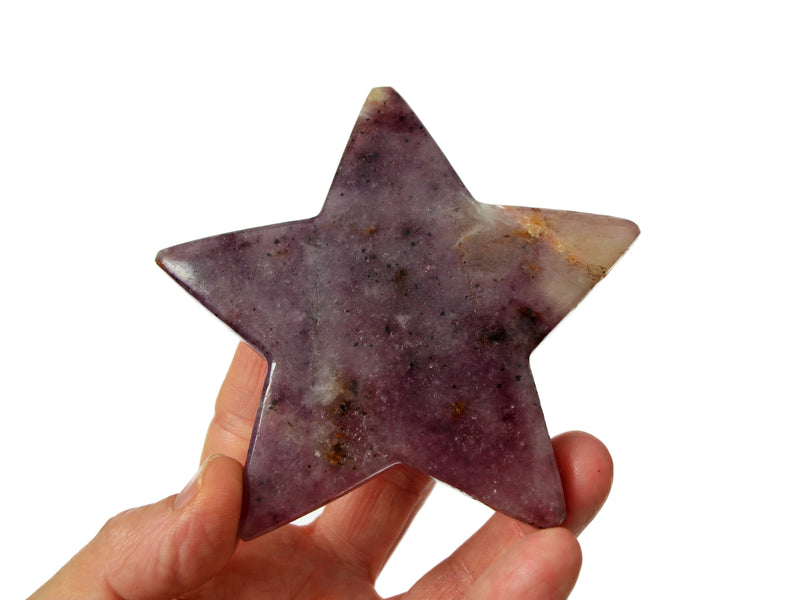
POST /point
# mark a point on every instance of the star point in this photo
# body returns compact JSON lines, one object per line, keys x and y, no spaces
{"x":398,"y":324}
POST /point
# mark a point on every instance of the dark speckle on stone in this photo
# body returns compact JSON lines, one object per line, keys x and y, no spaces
{"x":495,"y":334}
{"x":369,"y":156}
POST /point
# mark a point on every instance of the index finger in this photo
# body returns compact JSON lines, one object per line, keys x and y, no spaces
{"x":237,"y":404}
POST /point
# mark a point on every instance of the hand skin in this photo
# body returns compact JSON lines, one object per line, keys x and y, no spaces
{"x":185,"y":547}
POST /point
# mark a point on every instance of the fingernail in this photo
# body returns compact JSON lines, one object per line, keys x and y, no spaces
{"x":190,"y":491}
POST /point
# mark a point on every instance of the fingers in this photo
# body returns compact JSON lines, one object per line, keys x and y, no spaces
{"x":586,"y":472}
{"x":544,"y":564}
{"x":173,"y":546}
{"x":237,"y":403}
{"x":161,"y":550}
{"x":454,"y":576}
{"x":364,"y":526}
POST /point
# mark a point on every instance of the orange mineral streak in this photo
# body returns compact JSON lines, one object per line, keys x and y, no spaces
{"x":457,"y":408}
{"x":534,"y":225}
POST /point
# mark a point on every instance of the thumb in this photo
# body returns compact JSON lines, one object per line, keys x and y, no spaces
{"x":161,"y":550}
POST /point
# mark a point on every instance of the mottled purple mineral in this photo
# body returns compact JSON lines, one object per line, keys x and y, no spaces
{"x":398,"y":324}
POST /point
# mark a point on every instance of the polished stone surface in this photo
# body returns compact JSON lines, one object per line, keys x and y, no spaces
{"x":398,"y":324}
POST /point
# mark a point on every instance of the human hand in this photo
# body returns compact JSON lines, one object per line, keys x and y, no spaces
{"x":186,"y":545}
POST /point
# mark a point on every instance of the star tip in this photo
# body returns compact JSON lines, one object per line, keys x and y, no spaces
{"x":170,"y":264}
{"x":622,"y":237}
{"x":632,"y":230}
{"x":246,"y":536}
{"x":633,"y":227}
{"x":619,"y":232}
{"x":382,"y":89}
{"x":161,"y":258}
{"x":381,"y":94}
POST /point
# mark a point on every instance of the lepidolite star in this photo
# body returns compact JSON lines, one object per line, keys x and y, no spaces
{"x":398,"y":324}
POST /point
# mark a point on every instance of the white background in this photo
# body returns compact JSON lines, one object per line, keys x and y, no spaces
{"x":128,"y":127}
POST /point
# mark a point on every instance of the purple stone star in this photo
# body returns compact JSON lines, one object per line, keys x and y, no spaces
{"x":398,"y":324}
